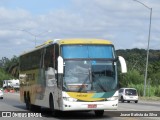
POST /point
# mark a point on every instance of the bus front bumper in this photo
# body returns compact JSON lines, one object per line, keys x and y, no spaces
{"x":102,"y":105}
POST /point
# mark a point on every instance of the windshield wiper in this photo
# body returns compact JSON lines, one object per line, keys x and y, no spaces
{"x":100,"y":85}
{"x":84,"y":82}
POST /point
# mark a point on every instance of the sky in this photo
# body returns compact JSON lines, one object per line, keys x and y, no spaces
{"x":26,"y":23}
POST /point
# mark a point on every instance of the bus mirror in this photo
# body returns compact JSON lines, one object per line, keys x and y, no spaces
{"x":123,"y":64}
{"x":60,"y":65}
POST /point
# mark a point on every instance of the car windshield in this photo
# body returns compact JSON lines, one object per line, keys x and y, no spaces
{"x":89,"y":75}
{"x":130,"y":92}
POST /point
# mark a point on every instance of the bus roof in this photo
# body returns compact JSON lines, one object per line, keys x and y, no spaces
{"x":82,"y":41}
{"x":70,"y":41}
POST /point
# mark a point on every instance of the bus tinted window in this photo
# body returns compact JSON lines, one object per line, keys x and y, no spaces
{"x":87,"y":51}
{"x":30,"y":61}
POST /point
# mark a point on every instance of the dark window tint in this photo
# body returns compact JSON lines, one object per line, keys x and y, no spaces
{"x":130,"y":92}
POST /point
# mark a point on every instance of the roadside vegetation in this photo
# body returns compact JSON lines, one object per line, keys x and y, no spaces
{"x":8,"y":69}
{"x":136,"y":61}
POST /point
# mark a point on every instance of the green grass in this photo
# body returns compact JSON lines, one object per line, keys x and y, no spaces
{"x":153,"y":98}
{"x":151,"y":91}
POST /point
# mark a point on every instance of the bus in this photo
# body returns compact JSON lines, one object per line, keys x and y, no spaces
{"x":71,"y":75}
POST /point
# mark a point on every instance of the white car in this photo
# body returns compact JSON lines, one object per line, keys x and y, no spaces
{"x":1,"y":94}
{"x":128,"y":94}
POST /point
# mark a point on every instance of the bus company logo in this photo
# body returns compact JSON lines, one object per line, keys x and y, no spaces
{"x":81,"y":95}
{"x":6,"y":114}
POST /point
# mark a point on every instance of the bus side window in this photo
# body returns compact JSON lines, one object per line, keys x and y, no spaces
{"x":56,"y":55}
{"x":49,"y":62}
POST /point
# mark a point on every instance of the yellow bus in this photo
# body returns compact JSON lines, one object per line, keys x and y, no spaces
{"x":71,"y":75}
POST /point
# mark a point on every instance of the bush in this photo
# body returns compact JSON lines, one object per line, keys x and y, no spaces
{"x":157,"y":91}
{"x":131,"y":77}
{"x":4,"y":76}
{"x":150,"y":91}
{"x":139,"y":87}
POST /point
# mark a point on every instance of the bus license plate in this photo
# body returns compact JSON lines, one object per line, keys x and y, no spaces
{"x":92,"y":106}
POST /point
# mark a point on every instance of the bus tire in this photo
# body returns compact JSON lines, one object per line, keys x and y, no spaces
{"x":51,"y":105}
{"x":99,"y":113}
{"x":27,"y":101}
{"x":25,"y":98}
{"x":31,"y":107}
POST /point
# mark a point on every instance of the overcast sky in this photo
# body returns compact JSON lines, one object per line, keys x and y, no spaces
{"x":124,"y":22}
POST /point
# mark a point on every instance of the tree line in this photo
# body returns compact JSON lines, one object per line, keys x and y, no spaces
{"x":9,"y":68}
{"x":136,"y":63}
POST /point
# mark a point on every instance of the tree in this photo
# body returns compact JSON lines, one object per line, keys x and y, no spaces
{"x":136,"y":59}
{"x":13,"y":67}
{"x":131,"y":77}
{"x":10,"y":65}
{"x":3,"y":62}
{"x":4,"y":76}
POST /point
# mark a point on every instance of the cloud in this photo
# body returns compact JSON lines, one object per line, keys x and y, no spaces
{"x":124,"y":22}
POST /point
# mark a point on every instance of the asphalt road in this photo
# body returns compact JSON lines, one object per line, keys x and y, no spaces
{"x":11,"y":102}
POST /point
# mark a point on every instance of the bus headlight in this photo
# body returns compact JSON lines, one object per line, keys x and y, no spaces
{"x":69,"y":99}
{"x":112,"y":98}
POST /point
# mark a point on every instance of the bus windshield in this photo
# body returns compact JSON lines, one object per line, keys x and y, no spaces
{"x":89,"y":75}
{"x":87,"y":51}
{"x":89,"y":68}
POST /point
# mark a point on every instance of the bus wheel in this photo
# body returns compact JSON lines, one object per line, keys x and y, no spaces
{"x":31,"y":107}
{"x":51,"y":104}
{"x":99,"y":113}
{"x":27,"y":101}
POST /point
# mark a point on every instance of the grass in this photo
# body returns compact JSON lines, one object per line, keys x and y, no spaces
{"x":152,"y":92}
{"x":153,"y":98}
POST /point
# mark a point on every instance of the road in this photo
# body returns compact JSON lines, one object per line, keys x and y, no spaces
{"x":11,"y":103}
